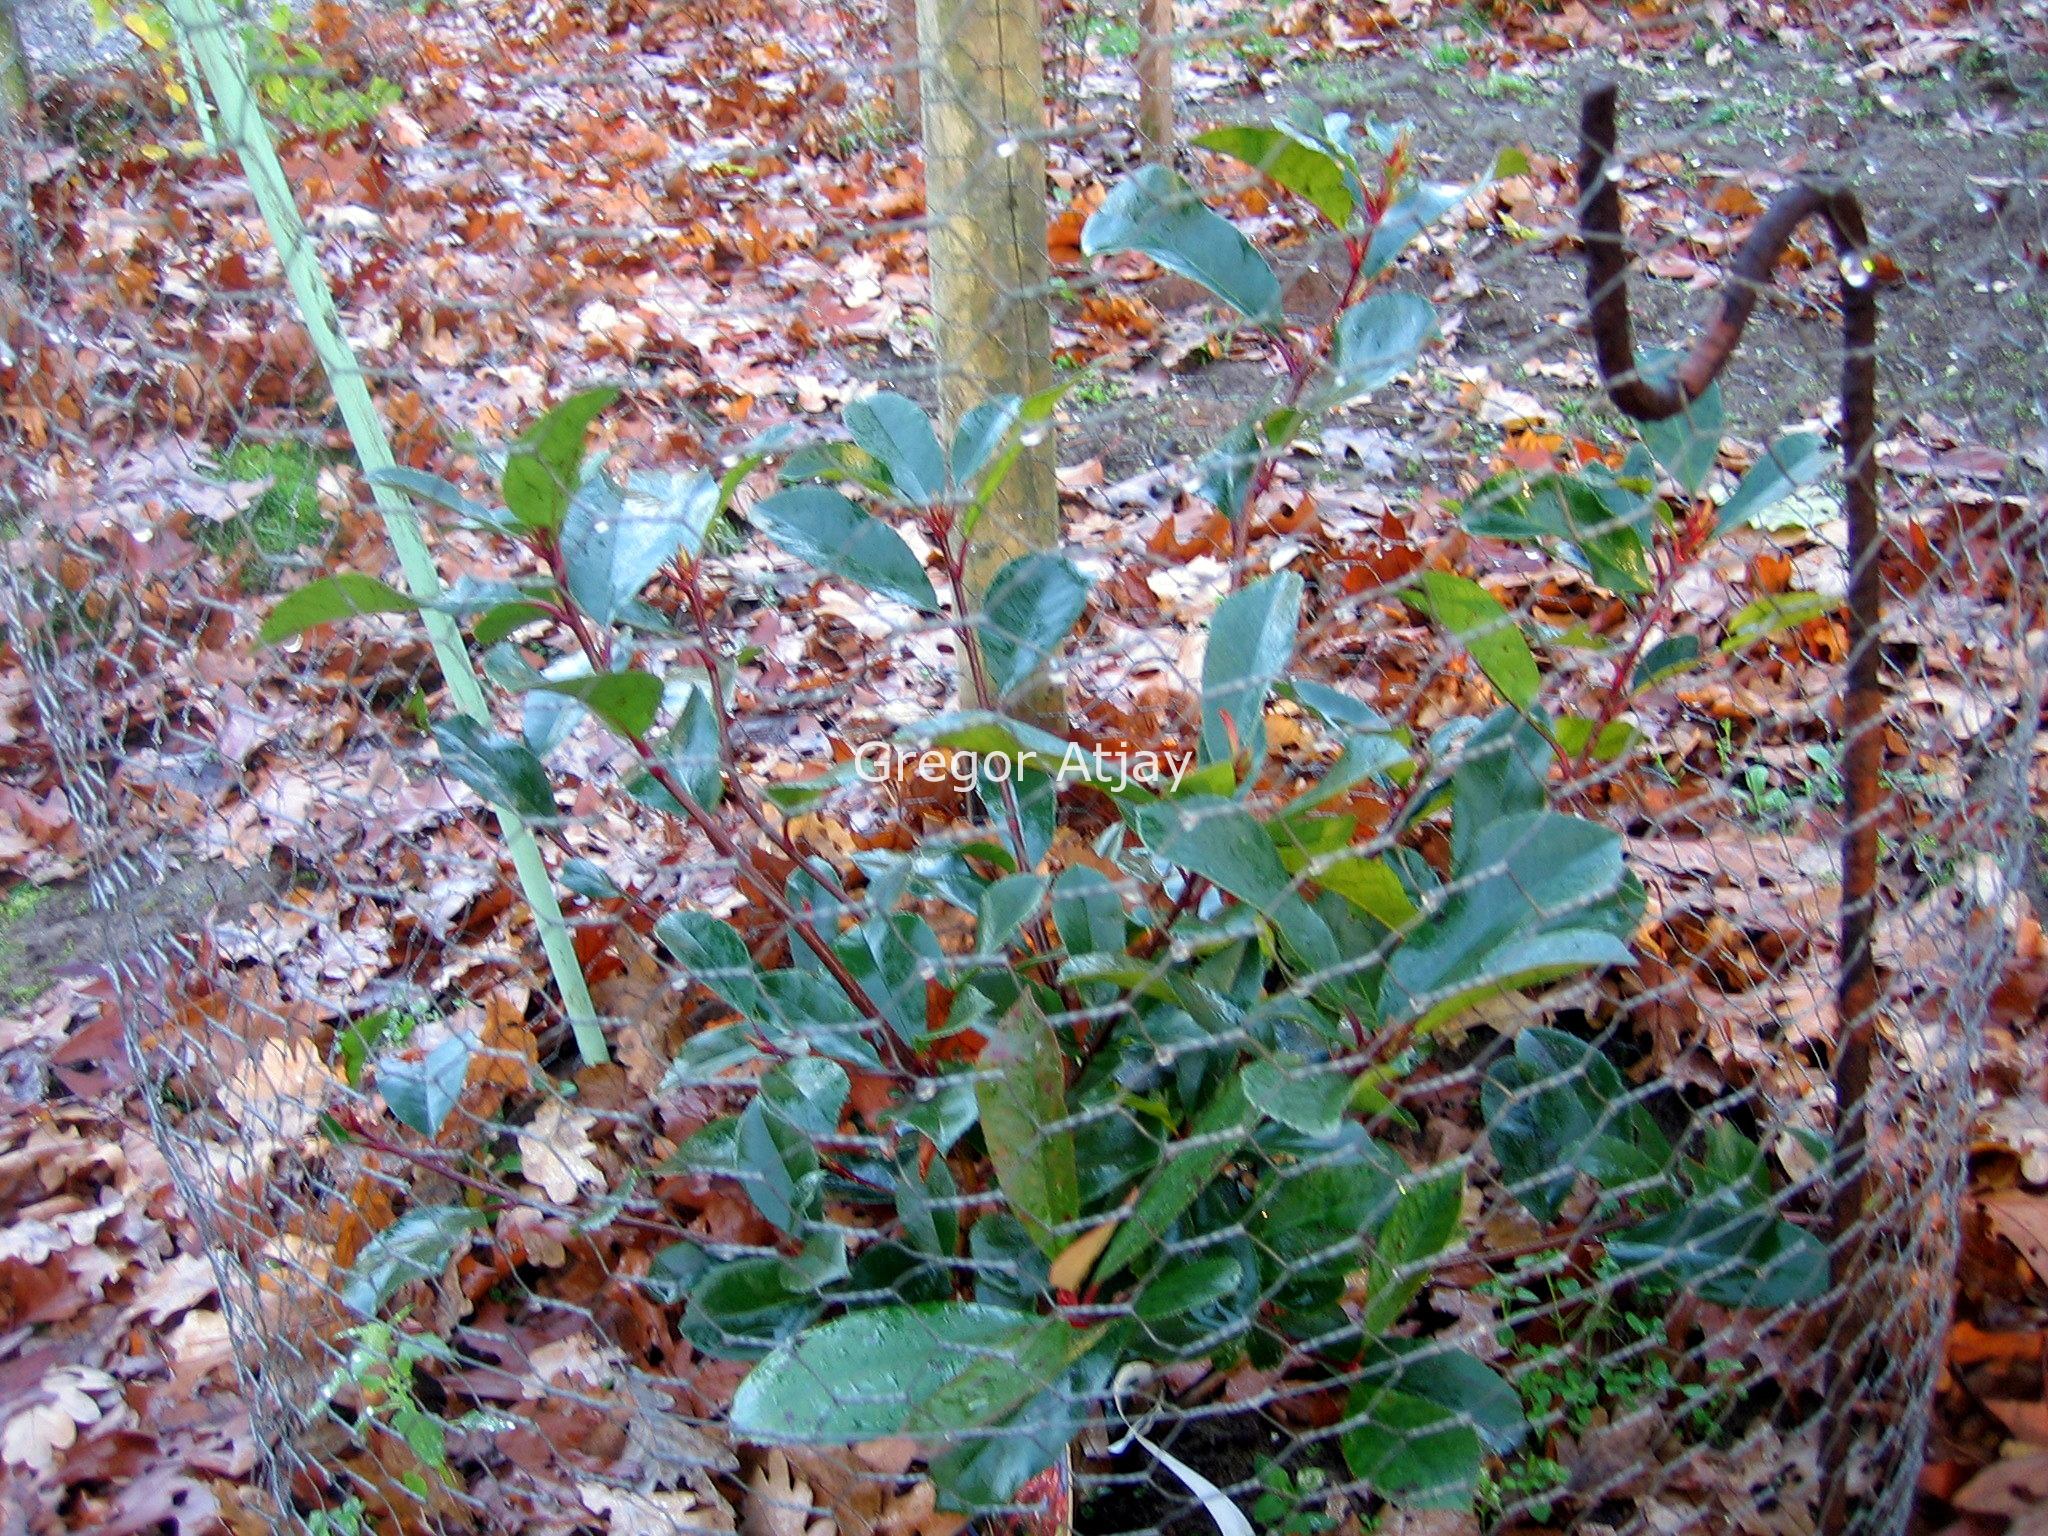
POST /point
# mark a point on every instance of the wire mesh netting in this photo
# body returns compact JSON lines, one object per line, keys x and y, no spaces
{"x":1313,"y":1008}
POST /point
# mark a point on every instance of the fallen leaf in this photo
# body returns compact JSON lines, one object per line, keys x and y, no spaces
{"x":555,"y":1149}
{"x":779,"y":1503}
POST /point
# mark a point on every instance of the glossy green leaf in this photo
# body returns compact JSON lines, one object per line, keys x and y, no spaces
{"x":1557,"y":1107}
{"x":808,"y":1092}
{"x":1767,"y":615}
{"x":1005,"y":906}
{"x":625,"y":701}
{"x":1685,"y":445}
{"x":505,"y":772}
{"x":1667,"y":658}
{"x":714,"y":955}
{"x":980,"y":433}
{"x":1454,"y":1380}
{"x":1308,"y":172}
{"x":778,"y":1165}
{"x":1029,"y":609}
{"x":899,"y":436}
{"x":614,"y":539}
{"x":1251,"y":642}
{"x":435,"y":491}
{"x":1409,"y":1450}
{"x":1487,"y":630}
{"x":422,"y":1093}
{"x":544,"y":468}
{"x":1183,"y":1173}
{"x":1375,"y":339}
{"x":824,"y":529}
{"x":1156,"y":213}
{"x":1022,"y":1094}
{"x":417,"y":1246}
{"x":1798,"y":459}
{"x":742,"y":1308}
{"x":1411,"y":213}
{"x":1310,"y":1097}
{"x":938,"y":1369}
{"x":495,"y":624}
{"x":330,"y":598}
{"x":1372,"y":886}
{"x":1730,"y":1250}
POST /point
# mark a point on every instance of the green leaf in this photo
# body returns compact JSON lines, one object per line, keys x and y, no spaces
{"x":1527,"y":901}
{"x":1310,"y":173}
{"x":1410,"y":1450}
{"x":1601,"y":522}
{"x":778,"y":1166}
{"x":980,"y":433}
{"x":1686,"y":444}
{"x":415,"y":1247}
{"x":1767,"y":615}
{"x":586,"y":878}
{"x":1798,"y":459}
{"x":614,"y":540}
{"x":1251,"y":641}
{"x":435,"y":491}
{"x":808,"y":1092}
{"x":899,"y":437}
{"x":1005,"y":906}
{"x":1558,"y":1107}
{"x":1156,"y":213}
{"x":713,"y":954}
{"x":1308,"y":1097}
{"x":1407,"y":218}
{"x":938,"y":1369}
{"x":330,"y":598}
{"x":824,"y":529}
{"x":1476,"y":617}
{"x":423,"y":1093}
{"x":1375,"y":340}
{"x":495,"y":624}
{"x":1730,"y":1250}
{"x":1335,"y":707}
{"x":742,"y":1308}
{"x":544,"y":467}
{"x":1454,"y":1380}
{"x":1188,"y":1168}
{"x":1022,"y":1093}
{"x":505,"y":772}
{"x":1372,"y":886}
{"x":625,"y":701}
{"x":693,"y":753}
{"x":1088,"y":911}
{"x":891,"y":955}
{"x":1667,"y":658}
{"x":1029,"y":609}
{"x":1422,"y":1224}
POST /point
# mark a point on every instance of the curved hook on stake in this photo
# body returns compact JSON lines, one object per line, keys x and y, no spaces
{"x":1649,"y":399}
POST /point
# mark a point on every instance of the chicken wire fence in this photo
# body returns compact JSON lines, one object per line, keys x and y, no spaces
{"x":1299,"y":1199}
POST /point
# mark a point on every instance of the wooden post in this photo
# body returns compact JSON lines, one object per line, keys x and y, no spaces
{"x":1155,"y":79}
{"x":904,"y":84}
{"x":985,"y":190}
{"x":17,"y":96}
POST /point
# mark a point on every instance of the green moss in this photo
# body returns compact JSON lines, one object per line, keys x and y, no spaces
{"x":286,"y":517}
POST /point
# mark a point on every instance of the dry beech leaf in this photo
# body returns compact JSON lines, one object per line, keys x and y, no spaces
{"x":2028,"y":1420}
{"x":2022,"y":1220}
{"x":779,"y":1502}
{"x":555,"y":1149}
{"x":33,"y":1437}
{"x":649,"y":1514}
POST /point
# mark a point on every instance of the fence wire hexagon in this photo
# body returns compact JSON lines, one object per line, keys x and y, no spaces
{"x":1316,"y":1012}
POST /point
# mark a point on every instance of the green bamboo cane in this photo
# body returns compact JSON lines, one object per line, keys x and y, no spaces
{"x":241,"y":125}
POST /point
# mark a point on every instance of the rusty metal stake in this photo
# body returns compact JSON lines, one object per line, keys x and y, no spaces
{"x":1863,"y":707}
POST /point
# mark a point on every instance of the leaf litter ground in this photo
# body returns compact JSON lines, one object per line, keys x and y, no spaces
{"x":777,"y":285}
